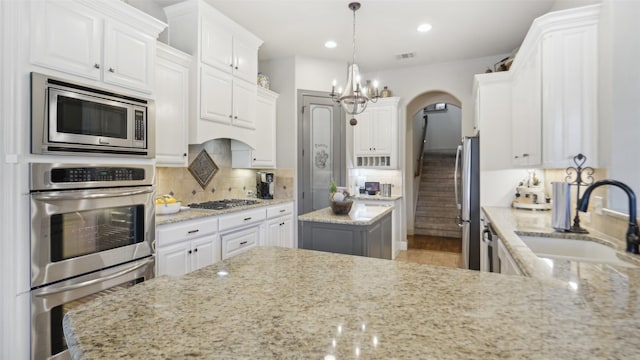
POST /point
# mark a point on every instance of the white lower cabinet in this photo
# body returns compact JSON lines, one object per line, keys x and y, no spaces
{"x":242,"y":230}
{"x":506,"y":264}
{"x":187,"y":246}
{"x":235,"y":242}
{"x":280,"y":225}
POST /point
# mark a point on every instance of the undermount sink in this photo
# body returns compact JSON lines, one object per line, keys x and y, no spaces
{"x":573,"y":249}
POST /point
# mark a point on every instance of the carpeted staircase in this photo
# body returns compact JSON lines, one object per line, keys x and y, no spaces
{"x":436,"y":210}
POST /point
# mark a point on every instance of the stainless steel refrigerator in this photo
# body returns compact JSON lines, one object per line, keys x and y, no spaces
{"x":467,"y":191}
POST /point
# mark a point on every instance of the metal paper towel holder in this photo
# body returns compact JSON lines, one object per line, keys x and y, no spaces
{"x":575,"y":177}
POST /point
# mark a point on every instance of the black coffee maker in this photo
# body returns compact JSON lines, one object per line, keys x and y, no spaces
{"x":264,"y":185}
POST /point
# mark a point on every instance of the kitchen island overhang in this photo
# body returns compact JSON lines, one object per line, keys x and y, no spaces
{"x":279,"y":303}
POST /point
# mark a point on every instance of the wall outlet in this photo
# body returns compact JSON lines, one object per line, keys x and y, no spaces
{"x":598,"y":203}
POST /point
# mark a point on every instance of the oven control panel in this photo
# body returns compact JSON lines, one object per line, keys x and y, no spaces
{"x":86,"y":174}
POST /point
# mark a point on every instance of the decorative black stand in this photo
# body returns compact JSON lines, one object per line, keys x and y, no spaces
{"x":579,"y":160}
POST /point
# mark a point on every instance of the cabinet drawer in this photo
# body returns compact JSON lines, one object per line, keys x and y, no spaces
{"x":279,"y":210}
{"x":186,"y":230}
{"x":242,"y":218}
{"x":236,"y":242}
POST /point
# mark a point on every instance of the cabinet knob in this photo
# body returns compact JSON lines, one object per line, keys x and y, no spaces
{"x":254,"y":159}
{"x":189,"y":252}
{"x":525,"y":155}
{"x":235,"y":117}
{"x":515,"y":156}
{"x":112,"y":70}
{"x":236,"y":68}
{"x":195,"y":250}
{"x":230,"y":65}
{"x":230,"y":116}
{"x":97,"y":66}
{"x":185,"y":154}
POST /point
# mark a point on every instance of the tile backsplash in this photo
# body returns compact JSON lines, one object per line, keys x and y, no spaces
{"x":226,"y":183}
{"x":615,"y":226}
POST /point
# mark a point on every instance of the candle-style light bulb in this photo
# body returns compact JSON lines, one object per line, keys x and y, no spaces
{"x":334,"y":83}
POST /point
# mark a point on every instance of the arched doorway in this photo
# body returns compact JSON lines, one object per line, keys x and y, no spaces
{"x":413,"y":147}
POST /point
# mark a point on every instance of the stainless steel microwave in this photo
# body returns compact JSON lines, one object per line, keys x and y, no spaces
{"x":68,"y":118}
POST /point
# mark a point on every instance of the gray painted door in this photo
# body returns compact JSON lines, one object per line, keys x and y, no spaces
{"x":322,"y":149}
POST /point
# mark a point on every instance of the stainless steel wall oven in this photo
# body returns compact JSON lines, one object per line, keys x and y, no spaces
{"x":92,"y":227}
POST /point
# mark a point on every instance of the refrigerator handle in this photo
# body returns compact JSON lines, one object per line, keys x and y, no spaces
{"x":455,"y":178}
{"x":459,"y":220}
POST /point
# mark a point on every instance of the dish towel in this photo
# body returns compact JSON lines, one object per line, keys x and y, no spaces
{"x":561,"y":207}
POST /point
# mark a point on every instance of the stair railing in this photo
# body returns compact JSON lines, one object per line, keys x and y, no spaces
{"x":418,"y":171}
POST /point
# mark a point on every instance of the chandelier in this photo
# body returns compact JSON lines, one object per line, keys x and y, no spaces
{"x":355,"y":97}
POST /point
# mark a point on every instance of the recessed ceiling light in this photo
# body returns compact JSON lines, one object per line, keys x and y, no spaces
{"x":424,"y":27}
{"x":330,"y":44}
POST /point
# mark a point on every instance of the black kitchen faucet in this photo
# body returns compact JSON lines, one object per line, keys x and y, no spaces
{"x":633,"y":234}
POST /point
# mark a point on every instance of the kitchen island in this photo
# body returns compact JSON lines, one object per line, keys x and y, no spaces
{"x":279,"y":303}
{"x":366,"y":231}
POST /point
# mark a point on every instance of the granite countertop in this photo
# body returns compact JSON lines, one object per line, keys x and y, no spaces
{"x":279,"y":303}
{"x":360,"y":214}
{"x":579,"y":276}
{"x":190,"y":214}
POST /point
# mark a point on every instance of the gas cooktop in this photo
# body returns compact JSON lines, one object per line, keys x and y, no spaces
{"x":223,"y":204}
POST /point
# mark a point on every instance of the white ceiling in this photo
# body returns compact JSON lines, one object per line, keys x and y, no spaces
{"x":462,"y":29}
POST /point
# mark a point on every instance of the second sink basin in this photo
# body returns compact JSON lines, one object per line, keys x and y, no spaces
{"x":573,"y":249}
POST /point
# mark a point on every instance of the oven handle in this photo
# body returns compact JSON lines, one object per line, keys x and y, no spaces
{"x":95,"y":281}
{"x":66,"y":195}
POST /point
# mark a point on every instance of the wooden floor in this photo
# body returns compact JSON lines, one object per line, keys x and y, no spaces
{"x":431,"y":250}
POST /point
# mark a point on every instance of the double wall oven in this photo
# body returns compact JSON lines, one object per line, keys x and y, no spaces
{"x":92,"y":227}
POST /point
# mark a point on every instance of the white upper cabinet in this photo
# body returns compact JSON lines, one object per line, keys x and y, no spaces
{"x":172,"y":106}
{"x":493,"y":119}
{"x":224,"y":76}
{"x":264,"y":154}
{"x":228,"y":51}
{"x":569,"y":95}
{"x":107,"y":41}
{"x":67,"y":36}
{"x":128,"y":57}
{"x":375,"y":137}
{"x":526,"y":126}
{"x":554,"y":104}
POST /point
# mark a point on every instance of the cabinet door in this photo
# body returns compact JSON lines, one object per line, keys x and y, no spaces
{"x":382,"y":131}
{"x":362,"y":134}
{"x":273,"y":232}
{"x":129,"y":57}
{"x":205,"y":251}
{"x":569,"y":93}
{"x":286,"y":232}
{"x":67,"y":37}
{"x":174,"y":260}
{"x":215,"y":95}
{"x":264,"y":155}
{"x":526,"y":145}
{"x":244,"y":104}
{"x":216,"y":45}
{"x":245,"y":61}
{"x":172,"y":112}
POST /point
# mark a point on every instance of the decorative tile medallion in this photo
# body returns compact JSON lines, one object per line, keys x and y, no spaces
{"x":203,"y":168}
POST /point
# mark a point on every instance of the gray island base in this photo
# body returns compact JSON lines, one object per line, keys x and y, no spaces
{"x":365,"y":231}
{"x":280,"y":303}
